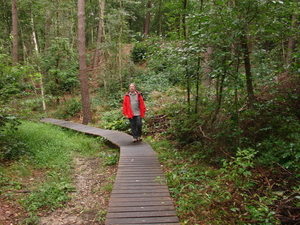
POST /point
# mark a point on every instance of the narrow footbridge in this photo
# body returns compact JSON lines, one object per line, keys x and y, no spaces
{"x":140,"y":194}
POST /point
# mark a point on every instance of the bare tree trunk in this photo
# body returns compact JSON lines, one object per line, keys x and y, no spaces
{"x":120,"y":45}
{"x":159,"y":18}
{"x":83,"y":77}
{"x":47,"y":28}
{"x":147,"y":20}
{"x":197,"y":84}
{"x":100,"y":33}
{"x":15,"y":50}
{"x":292,"y":42}
{"x":249,"y":80}
{"x":36,"y":48}
{"x":219,"y":95}
{"x":185,"y":34}
{"x":207,"y":68}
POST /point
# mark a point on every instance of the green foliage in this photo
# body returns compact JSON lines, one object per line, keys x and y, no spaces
{"x":215,"y":195}
{"x":61,"y":67}
{"x":68,"y":109}
{"x":12,"y":80}
{"x":114,"y":120}
{"x":110,"y":158}
{"x":10,"y":146}
{"x":139,"y":52}
{"x":51,"y":196}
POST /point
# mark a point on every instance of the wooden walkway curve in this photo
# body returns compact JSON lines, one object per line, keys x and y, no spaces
{"x":140,"y":194}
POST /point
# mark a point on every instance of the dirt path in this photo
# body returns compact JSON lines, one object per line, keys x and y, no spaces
{"x":90,"y":200}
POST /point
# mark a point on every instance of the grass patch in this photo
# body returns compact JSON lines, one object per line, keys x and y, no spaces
{"x":44,"y":174}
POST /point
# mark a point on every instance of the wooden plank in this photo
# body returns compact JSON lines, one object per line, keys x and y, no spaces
{"x":142,"y":214}
{"x":143,"y":198}
{"x":142,"y":192}
{"x":142,"y":220}
{"x":135,"y":195}
{"x":148,"y":203}
{"x":136,"y":180}
{"x":141,"y":208}
{"x":141,"y":173}
{"x":141,"y":185}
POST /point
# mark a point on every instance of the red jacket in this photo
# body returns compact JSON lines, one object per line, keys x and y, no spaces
{"x":127,"y":111}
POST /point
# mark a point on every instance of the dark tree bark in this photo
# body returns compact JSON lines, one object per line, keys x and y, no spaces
{"x":197,"y":84}
{"x":15,"y":49}
{"x":292,"y":42}
{"x":159,"y":18}
{"x":184,"y":19}
{"x":100,"y":33}
{"x":147,"y":20}
{"x":249,"y":79}
{"x":47,"y":28}
{"x":206,"y":67}
{"x":85,"y":98}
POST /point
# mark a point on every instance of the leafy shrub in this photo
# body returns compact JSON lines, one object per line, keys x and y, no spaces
{"x":111,"y":158}
{"x":139,"y":52}
{"x":10,"y":146}
{"x":68,"y":109}
{"x":114,"y":120}
{"x":202,"y":192}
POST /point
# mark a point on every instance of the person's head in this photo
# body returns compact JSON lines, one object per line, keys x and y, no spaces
{"x":132,"y":87}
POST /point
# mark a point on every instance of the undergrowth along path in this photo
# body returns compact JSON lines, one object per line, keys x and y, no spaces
{"x":140,"y":194}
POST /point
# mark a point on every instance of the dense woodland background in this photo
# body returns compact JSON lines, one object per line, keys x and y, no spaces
{"x":220,"y":79}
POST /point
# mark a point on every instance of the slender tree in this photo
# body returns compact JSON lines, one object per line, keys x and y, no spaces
{"x":100,"y":32}
{"x":83,"y":77}
{"x":120,"y":45}
{"x":247,"y":65}
{"x":15,"y":49}
{"x":147,"y":20}
{"x":292,"y":40}
{"x":36,"y":49}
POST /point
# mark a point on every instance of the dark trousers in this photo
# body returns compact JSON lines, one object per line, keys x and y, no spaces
{"x":136,"y":126}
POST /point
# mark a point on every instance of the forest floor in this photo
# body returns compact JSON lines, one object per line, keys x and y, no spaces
{"x":88,"y":203}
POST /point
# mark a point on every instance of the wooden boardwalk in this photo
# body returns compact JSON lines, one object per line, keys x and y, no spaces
{"x":140,"y":194}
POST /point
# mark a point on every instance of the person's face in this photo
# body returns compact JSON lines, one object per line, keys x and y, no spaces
{"x":132,"y":88}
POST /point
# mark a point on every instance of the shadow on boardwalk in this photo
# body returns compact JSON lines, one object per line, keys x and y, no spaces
{"x":140,"y":194}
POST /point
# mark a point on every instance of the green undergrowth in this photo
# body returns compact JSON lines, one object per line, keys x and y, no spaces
{"x":44,"y":172}
{"x":231,"y":192}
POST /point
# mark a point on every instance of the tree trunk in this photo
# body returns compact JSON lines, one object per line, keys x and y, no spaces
{"x":292,"y":42}
{"x":36,"y":48}
{"x":159,"y":18}
{"x":47,"y":28}
{"x":147,"y":20}
{"x":184,"y":19}
{"x":15,"y":49}
{"x":85,"y":98}
{"x":249,"y":80}
{"x":197,"y":84}
{"x":219,"y":95}
{"x":100,"y":33}
{"x":120,"y":46}
{"x":207,"y":68}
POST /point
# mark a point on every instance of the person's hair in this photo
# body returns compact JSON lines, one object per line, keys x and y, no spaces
{"x":132,"y":84}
